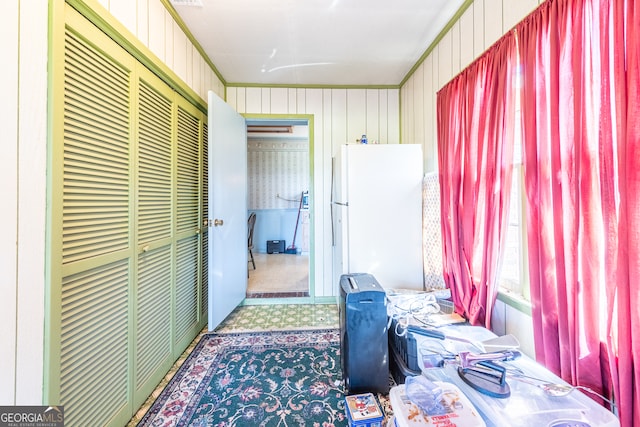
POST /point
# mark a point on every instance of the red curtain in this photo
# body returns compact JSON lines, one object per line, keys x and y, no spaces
{"x":475,"y":149}
{"x":581,"y":140}
{"x":623,"y":274}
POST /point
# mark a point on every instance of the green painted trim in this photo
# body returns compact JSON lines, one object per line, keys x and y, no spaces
{"x":51,"y":347}
{"x":311,"y":86}
{"x":275,"y":301}
{"x":516,"y":302}
{"x":310,"y":124}
{"x":101,"y":18}
{"x":325,"y":300}
{"x":172,"y":11}
{"x":400,"y":135}
{"x":455,"y":18}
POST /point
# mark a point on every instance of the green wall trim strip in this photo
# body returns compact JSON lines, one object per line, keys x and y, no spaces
{"x":515,"y":302}
{"x":276,"y":301}
{"x":311,"y":86}
{"x":55,"y":48}
{"x":437,"y":40}
{"x":102,"y":19}
{"x":172,"y":11}
{"x":310,"y":124}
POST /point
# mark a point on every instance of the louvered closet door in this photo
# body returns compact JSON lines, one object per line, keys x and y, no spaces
{"x":96,"y":231}
{"x":126,"y":295}
{"x":204,"y":287}
{"x":155,"y":243}
{"x":188,"y":278}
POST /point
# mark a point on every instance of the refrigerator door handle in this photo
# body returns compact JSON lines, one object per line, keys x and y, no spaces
{"x":341,"y":203}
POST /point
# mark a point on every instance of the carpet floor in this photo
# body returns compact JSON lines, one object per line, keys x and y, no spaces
{"x":279,"y":378}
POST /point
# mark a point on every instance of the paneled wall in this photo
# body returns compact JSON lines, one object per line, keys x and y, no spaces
{"x":23,"y":120}
{"x":153,"y":25}
{"x":23,"y":171}
{"x":339,"y":116}
{"x":481,"y":25}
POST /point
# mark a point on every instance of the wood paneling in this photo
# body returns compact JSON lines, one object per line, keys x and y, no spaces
{"x":418,"y":130}
{"x":356,"y":114}
{"x":492,"y":21}
{"x":23,"y":83}
{"x":466,"y":38}
{"x":428,"y":148}
{"x":478,"y":27}
{"x":481,"y":25}
{"x":279,"y":101}
{"x":253,"y":100}
{"x":372,"y":127}
{"x":340,"y":116}
{"x":455,"y":48}
{"x":484,"y":22}
{"x":445,"y":59}
{"x":516,"y":11}
{"x":9,"y":50}
{"x":154,"y":26}
{"x":122,"y":11}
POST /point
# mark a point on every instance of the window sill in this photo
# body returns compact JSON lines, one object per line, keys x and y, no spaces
{"x":515,"y":301}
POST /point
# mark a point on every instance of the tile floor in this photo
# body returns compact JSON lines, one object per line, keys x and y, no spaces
{"x":255,"y":318}
{"x":278,"y":275}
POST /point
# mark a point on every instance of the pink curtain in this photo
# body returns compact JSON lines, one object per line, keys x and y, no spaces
{"x":623,"y":273}
{"x":580,"y":101}
{"x":475,"y":149}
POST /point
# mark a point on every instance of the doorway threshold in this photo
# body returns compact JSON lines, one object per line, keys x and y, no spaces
{"x":277,"y":294}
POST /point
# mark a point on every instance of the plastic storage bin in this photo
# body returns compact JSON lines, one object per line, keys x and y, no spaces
{"x":528,"y":405}
{"x":461,"y":411}
{"x":404,"y":347}
{"x":397,"y":366}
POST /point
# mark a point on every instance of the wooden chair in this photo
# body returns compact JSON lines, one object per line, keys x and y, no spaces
{"x":251,"y":224}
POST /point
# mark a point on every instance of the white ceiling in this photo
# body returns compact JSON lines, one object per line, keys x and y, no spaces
{"x":315,"y":42}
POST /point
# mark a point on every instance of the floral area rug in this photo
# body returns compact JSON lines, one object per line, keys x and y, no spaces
{"x":284,"y":378}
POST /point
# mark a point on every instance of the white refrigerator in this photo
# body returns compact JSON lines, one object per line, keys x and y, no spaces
{"x":377,"y":213}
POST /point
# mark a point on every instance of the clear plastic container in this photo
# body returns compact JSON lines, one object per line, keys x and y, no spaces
{"x":461,"y":411}
{"x":527,"y":405}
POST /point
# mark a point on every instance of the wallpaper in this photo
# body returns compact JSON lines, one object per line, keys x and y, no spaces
{"x":277,"y":171}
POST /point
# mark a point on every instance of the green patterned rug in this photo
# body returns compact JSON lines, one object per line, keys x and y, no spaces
{"x":283,"y":378}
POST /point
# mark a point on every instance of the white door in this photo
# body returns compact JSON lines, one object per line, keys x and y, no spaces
{"x":227,"y":209}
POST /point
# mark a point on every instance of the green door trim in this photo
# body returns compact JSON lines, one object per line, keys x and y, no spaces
{"x":310,"y":123}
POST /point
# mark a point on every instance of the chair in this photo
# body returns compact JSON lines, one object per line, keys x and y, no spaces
{"x":251,"y":224}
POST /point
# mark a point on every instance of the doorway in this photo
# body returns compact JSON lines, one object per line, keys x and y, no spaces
{"x":278,"y":183}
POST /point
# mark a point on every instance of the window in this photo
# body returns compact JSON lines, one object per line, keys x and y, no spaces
{"x":513,"y":277}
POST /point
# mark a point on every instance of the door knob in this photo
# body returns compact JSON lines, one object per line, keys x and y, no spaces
{"x":217,"y":222}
